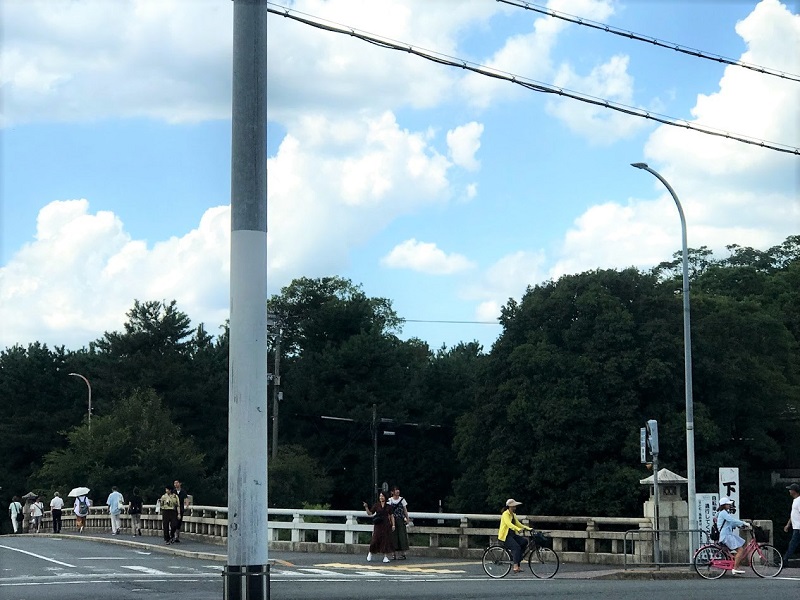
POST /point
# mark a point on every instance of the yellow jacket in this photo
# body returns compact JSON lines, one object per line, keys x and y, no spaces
{"x":509,"y":521}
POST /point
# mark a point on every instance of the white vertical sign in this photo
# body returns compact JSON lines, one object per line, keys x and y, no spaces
{"x":729,"y":486}
{"x":705,"y":508}
{"x":643,"y":444}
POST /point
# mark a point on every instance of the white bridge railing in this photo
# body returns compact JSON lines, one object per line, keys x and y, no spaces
{"x":600,"y":540}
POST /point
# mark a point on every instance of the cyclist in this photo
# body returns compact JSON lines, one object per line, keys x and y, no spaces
{"x":508,"y":533}
{"x":726,"y":523}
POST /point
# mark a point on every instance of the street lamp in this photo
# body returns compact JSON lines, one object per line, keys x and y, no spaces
{"x":687,"y":363}
{"x":88,"y":385}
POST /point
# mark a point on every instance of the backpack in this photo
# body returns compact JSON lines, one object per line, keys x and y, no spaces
{"x":714,"y":534}
{"x":83,"y":506}
{"x":397,"y":509}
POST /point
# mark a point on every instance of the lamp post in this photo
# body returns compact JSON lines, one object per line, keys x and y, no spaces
{"x":687,"y":364}
{"x":88,"y":385}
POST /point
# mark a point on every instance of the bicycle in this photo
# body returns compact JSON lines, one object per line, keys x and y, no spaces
{"x":543,"y":562}
{"x":712,"y":560}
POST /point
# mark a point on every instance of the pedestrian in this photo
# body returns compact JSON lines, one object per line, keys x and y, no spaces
{"x":56,"y":504}
{"x":181,"y":508}
{"x":135,"y":511}
{"x":793,"y":523}
{"x":37,"y":512}
{"x":16,"y":514}
{"x":115,"y":502}
{"x":382,"y":527}
{"x":508,"y":533}
{"x":399,"y":533}
{"x":169,"y":513}
{"x":81,"y":510}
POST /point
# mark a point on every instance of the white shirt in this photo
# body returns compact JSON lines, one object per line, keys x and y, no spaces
{"x":115,"y":502}
{"x":57,"y":503}
{"x":795,"y":515}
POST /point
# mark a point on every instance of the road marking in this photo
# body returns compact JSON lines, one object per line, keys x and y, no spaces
{"x":52,"y":560}
{"x":102,"y":558}
{"x":140,"y":552}
{"x":146,"y":570}
{"x":322,"y":572}
{"x":433,"y":569}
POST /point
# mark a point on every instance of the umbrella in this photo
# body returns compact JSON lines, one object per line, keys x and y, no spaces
{"x":79,"y":491}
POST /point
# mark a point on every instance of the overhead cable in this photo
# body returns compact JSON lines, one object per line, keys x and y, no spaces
{"x":650,"y":40}
{"x":524,"y":82}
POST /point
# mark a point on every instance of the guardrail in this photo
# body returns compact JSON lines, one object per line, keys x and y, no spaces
{"x":579,"y":539}
{"x":594,"y":540}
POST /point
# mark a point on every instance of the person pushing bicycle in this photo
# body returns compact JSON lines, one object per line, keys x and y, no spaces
{"x":726,"y":523}
{"x":508,"y":533}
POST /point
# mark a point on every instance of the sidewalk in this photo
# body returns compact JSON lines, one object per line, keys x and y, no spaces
{"x":204,"y":550}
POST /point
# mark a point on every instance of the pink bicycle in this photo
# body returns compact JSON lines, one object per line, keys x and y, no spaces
{"x":712,"y":560}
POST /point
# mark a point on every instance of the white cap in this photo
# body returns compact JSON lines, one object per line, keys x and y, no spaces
{"x":512,"y":502}
{"x":725,"y":500}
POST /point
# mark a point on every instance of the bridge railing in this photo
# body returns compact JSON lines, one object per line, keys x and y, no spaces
{"x":582,"y":539}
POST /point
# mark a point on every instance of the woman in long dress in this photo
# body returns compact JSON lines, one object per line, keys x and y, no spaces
{"x":382,"y":526}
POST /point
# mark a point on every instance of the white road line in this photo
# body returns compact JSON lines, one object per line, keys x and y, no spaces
{"x":52,"y":560}
{"x":146,"y":570}
{"x":102,"y":558}
{"x":322,"y":572}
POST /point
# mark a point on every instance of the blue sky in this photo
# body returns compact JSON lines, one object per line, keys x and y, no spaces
{"x":444,"y":191}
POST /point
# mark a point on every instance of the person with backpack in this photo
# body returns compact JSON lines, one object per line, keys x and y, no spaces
{"x":115,"y":502}
{"x":399,"y":533}
{"x":135,"y":511}
{"x":16,"y":513}
{"x":81,"y":509}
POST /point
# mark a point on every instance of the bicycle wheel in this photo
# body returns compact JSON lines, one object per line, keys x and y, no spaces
{"x":704,"y":562}
{"x":496,"y":561}
{"x":543,"y":563}
{"x":766,"y":561}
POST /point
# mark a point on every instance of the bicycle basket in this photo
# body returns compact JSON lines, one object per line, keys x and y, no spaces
{"x":761,"y":535}
{"x":543,"y":541}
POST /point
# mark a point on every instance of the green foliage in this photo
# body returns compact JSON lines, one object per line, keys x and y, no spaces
{"x":137,"y":444}
{"x":296,"y":479}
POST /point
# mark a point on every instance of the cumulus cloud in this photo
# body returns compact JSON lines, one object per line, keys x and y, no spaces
{"x":608,"y":81}
{"x":463,"y":142}
{"x":81,"y":273}
{"x":425,"y":258}
{"x":729,"y":191}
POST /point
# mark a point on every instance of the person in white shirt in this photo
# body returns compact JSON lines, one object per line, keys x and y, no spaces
{"x":16,"y":514}
{"x":56,"y":504}
{"x":115,"y":502}
{"x":794,"y":522}
{"x":37,"y":512}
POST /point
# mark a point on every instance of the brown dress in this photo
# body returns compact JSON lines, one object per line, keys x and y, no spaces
{"x":381,"y":542}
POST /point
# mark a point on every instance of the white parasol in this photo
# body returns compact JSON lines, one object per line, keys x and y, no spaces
{"x":79,"y":491}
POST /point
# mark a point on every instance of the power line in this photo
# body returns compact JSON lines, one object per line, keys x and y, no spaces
{"x":651,"y":40}
{"x":526,"y":83}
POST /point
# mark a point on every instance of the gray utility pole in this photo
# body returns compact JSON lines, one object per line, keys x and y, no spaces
{"x":374,"y":452}
{"x":246,"y":576}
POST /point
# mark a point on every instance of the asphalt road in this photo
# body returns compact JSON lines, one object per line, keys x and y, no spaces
{"x":75,"y":568}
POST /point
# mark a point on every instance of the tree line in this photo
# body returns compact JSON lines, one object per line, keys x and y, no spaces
{"x":550,"y":413}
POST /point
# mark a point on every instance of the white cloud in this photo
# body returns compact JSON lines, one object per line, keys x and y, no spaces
{"x":425,"y":258}
{"x":730,"y":193}
{"x":463,"y":142}
{"x":608,"y":81}
{"x":80,"y":275}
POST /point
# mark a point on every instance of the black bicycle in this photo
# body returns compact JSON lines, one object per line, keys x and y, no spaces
{"x":543,"y":561}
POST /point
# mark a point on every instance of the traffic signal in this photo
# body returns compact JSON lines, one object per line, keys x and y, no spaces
{"x":652,"y":436}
